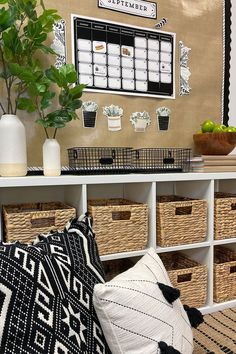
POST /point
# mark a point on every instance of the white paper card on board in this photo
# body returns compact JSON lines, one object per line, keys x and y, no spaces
{"x":140,"y":42}
{"x":165,"y":57}
{"x":141,"y":75}
{"x":128,"y":84}
{"x":153,"y":44}
{"x":127,"y":62}
{"x":113,"y":49}
{"x":128,"y":73}
{"x":85,"y":57}
{"x":140,"y":53}
{"x":165,"y":67}
{"x":85,"y":68}
{"x":153,"y":66}
{"x":153,"y":76}
{"x":114,"y":60}
{"x":100,"y":81}
{"x":141,"y":85}
{"x":127,"y":51}
{"x":99,"y":58}
{"x":86,"y":79}
{"x":166,"y":46}
{"x":141,"y":64}
{"x":114,"y":71}
{"x":99,"y":47}
{"x":153,"y":55}
{"x":100,"y":70}
{"x":114,"y":83}
{"x":84,"y":44}
{"x":166,"y":78}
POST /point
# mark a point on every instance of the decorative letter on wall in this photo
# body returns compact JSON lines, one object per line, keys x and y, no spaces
{"x":184,"y":70}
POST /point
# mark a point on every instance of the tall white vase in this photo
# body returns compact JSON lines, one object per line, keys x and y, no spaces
{"x":13,"y":154}
{"x":51,"y":158}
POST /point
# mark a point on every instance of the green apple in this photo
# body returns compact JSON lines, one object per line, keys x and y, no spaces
{"x":230,"y":129}
{"x":207,"y":126}
{"x":219,"y":128}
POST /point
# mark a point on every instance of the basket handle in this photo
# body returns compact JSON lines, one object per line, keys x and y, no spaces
{"x":183,"y":210}
{"x":38,"y":220}
{"x":183,"y":278}
{"x":121,"y":215}
{"x":232,"y":269}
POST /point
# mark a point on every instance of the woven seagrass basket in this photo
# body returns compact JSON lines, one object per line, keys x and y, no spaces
{"x":224,"y":215}
{"x":180,"y":220}
{"x":224,"y":274}
{"x":120,"y":225}
{"x":188,"y":276}
{"x":23,"y":222}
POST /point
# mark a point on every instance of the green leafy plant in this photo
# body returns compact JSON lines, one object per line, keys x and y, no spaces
{"x":89,"y":106}
{"x":140,"y":115}
{"x":163,"y":112}
{"x":24,"y":28}
{"x":112,"y":111}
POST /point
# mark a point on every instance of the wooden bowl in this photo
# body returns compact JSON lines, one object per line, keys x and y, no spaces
{"x":215,"y":143}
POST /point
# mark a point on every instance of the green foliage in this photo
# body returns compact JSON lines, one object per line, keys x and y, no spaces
{"x":29,"y":87}
{"x":23,"y":32}
{"x":43,"y":89}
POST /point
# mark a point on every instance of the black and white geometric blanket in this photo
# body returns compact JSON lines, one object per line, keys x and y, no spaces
{"x":46,"y":294}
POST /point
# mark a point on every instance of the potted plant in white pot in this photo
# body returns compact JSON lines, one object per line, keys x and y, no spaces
{"x":113,"y":114}
{"x":89,"y":112}
{"x":23,"y":32}
{"x":140,"y":121}
{"x":163,"y":118}
{"x":55,"y":96}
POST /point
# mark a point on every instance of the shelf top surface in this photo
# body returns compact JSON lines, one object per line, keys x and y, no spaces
{"x":107,"y":179}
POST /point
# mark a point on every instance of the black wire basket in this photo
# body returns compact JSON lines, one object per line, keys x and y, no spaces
{"x":95,"y":160}
{"x":161,"y":160}
{"x":114,"y":160}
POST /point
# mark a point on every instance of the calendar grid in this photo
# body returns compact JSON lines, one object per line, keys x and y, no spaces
{"x":119,"y":58}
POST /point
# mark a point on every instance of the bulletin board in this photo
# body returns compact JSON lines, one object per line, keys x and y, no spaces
{"x":113,"y":57}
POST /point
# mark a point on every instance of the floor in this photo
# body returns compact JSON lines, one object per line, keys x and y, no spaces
{"x":217,"y":334}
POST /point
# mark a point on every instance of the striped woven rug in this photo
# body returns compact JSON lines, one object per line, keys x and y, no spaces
{"x":217,"y":334}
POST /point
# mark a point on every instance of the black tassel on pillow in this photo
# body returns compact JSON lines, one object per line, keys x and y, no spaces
{"x":194,"y":315}
{"x":167,"y":349}
{"x":169,"y":293}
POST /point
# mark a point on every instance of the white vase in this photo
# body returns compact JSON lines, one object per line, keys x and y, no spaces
{"x":114,"y":123}
{"x":51,"y":158}
{"x":140,"y":125}
{"x":13,"y":154}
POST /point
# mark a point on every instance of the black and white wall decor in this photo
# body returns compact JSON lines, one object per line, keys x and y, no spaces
{"x":113,"y":57}
{"x":59,"y":42}
{"x":142,"y":8}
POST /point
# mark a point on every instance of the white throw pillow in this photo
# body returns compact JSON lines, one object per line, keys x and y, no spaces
{"x":136,"y":317}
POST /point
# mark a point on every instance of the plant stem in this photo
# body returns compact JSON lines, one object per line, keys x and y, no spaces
{"x":46,"y":132}
{"x":3,"y":110}
{"x":55,"y":132}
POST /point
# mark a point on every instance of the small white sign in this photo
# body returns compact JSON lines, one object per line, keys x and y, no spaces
{"x":135,"y":7}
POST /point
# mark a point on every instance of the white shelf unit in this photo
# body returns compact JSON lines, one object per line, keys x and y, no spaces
{"x":76,"y":190}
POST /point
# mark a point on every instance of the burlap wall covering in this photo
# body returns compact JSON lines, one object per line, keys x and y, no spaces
{"x":199,"y":25}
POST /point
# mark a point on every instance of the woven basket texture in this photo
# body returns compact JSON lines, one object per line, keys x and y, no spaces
{"x":120,"y":225}
{"x":23,"y":222}
{"x":116,"y":267}
{"x":180,"y":220}
{"x":188,"y":276}
{"x":224,"y":274}
{"x":224,"y":215}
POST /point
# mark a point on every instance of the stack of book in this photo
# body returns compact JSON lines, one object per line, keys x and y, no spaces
{"x":213,"y":163}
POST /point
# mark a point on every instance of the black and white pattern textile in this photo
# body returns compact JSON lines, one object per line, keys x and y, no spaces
{"x":46,"y":294}
{"x":135,"y":315}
